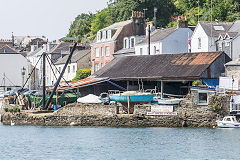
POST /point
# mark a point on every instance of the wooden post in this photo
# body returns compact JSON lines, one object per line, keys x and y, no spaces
{"x":56,"y":97}
{"x":161,"y":89}
{"x":128,"y":98}
{"x":77,"y":93}
{"x":127,"y":85}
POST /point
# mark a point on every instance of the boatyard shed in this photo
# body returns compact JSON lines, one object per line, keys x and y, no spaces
{"x":169,"y":73}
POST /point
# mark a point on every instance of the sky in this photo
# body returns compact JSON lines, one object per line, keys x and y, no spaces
{"x":51,"y":18}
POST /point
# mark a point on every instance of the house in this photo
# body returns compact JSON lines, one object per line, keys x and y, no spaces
{"x":13,"y":68}
{"x":164,"y":41}
{"x":6,"y":41}
{"x":111,"y":39}
{"x":229,"y":41}
{"x":81,"y":59}
{"x":206,"y":34}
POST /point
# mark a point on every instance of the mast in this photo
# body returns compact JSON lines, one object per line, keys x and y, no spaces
{"x":149,"y":39}
{"x":44,"y":79}
{"x":60,"y":76}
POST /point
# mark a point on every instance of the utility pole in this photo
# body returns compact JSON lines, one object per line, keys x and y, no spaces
{"x":144,"y":10}
{"x":155,"y":18}
{"x":149,"y":32}
{"x":44,"y":80}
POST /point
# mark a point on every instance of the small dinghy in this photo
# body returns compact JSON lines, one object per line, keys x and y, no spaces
{"x":228,"y":122}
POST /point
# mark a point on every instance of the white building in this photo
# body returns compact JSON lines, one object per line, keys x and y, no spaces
{"x":164,"y":41}
{"x":206,"y":34}
{"x":12,"y":64}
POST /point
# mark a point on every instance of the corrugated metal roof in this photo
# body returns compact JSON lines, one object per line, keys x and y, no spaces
{"x":83,"y":82}
{"x":184,"y":65}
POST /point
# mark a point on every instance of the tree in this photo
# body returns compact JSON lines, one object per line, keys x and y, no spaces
{"x":81,"y":74}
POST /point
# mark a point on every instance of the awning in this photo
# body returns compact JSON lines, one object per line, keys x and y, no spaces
{"x":83,"y":83}
{"x":211,"y":82}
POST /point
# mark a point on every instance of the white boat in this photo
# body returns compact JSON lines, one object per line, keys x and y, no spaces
{"x":228,"y":122}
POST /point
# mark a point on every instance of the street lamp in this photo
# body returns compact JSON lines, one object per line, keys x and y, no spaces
{"x":23,"y":70}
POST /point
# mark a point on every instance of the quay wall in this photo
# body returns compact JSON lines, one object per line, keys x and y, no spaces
{"x":188,"y":115}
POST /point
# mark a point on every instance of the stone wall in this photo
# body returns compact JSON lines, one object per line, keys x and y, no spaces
{"x":100,"y":115}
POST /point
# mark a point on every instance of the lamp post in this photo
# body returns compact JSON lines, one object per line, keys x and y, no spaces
{"x":23,"y":70}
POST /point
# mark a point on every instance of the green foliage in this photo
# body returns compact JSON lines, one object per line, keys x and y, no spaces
{"x":197,"y":83}
{"x":12,"y":110}
{"x":85,"y":26}
{"x":215,"y":104}
{"x":81,"y":74}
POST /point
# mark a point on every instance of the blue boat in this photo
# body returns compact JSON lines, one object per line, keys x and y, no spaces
{"x":133,"y":97}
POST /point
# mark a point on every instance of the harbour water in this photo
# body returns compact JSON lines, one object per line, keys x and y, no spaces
{"x":57,"y":143}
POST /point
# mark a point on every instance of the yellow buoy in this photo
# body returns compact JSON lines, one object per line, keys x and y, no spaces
{"x":213,"y":127}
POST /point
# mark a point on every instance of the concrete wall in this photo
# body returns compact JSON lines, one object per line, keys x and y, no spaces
{"x":177,"y":42}
{"x":11,"y":65}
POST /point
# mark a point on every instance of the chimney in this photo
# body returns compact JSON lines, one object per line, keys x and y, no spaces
{"x":182,"y":22}
{"x":138,"y":23}
{"x":152,"y":27}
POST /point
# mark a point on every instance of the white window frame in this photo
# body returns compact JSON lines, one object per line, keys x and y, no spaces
{"x":109,"y":34}
{"x":126,"y":42}
{"x":201,"y":92}
{"x":134,"y":39}
{"x":107,"y":51}
{"x":96,"y":66}
{"x":97,"y":54}
{"x":74,"y":69}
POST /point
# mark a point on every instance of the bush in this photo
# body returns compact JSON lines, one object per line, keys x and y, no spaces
{"x":6,"y":109}
{"x":197,"y":83}
{"x":81,"y":74}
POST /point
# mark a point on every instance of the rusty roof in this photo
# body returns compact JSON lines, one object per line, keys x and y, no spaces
{"x":162,"y":66}
{"x":82,"y":83}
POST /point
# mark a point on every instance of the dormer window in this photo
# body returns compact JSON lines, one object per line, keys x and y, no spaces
{"x":126,"y":41}
{"x":99,"y":36}
{"x":109,"y":34}
{"x":104,"y":35}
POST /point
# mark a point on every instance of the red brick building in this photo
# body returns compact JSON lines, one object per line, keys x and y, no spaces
{"x":110,"y":39}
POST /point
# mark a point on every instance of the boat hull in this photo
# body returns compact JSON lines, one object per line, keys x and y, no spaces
{"x":135,"y":98}
{"x":222,"y":124}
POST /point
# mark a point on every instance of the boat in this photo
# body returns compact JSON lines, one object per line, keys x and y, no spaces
{"x":168,"y":101}
{"x":132,"y":96}
{"x":228,"y":122}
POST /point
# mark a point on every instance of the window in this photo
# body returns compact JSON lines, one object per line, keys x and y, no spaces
{"x":132,"y":42}
{"x":141,"y":51}
{"x":199,"y":43}
{"x":101,"y":65}
{"x":99,"y":36}
{"x":126,"y":43}
{"x":104,"y":35}
{"x":202,"y":98}
{"x":109,"y":35}
{"x":59,"y":69}
{"x":68,"y":69}
{"x":97,"y":52}
{"x":73,"y":69}
{"x":107,"y":50}
{"x":102,"y":53}
{"x":96,"y":67}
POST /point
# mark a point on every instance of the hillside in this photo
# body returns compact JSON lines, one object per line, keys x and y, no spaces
{"x":86,"y":25}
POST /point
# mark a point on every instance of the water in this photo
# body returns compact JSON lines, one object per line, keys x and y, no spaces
{"x":55,"y":143}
